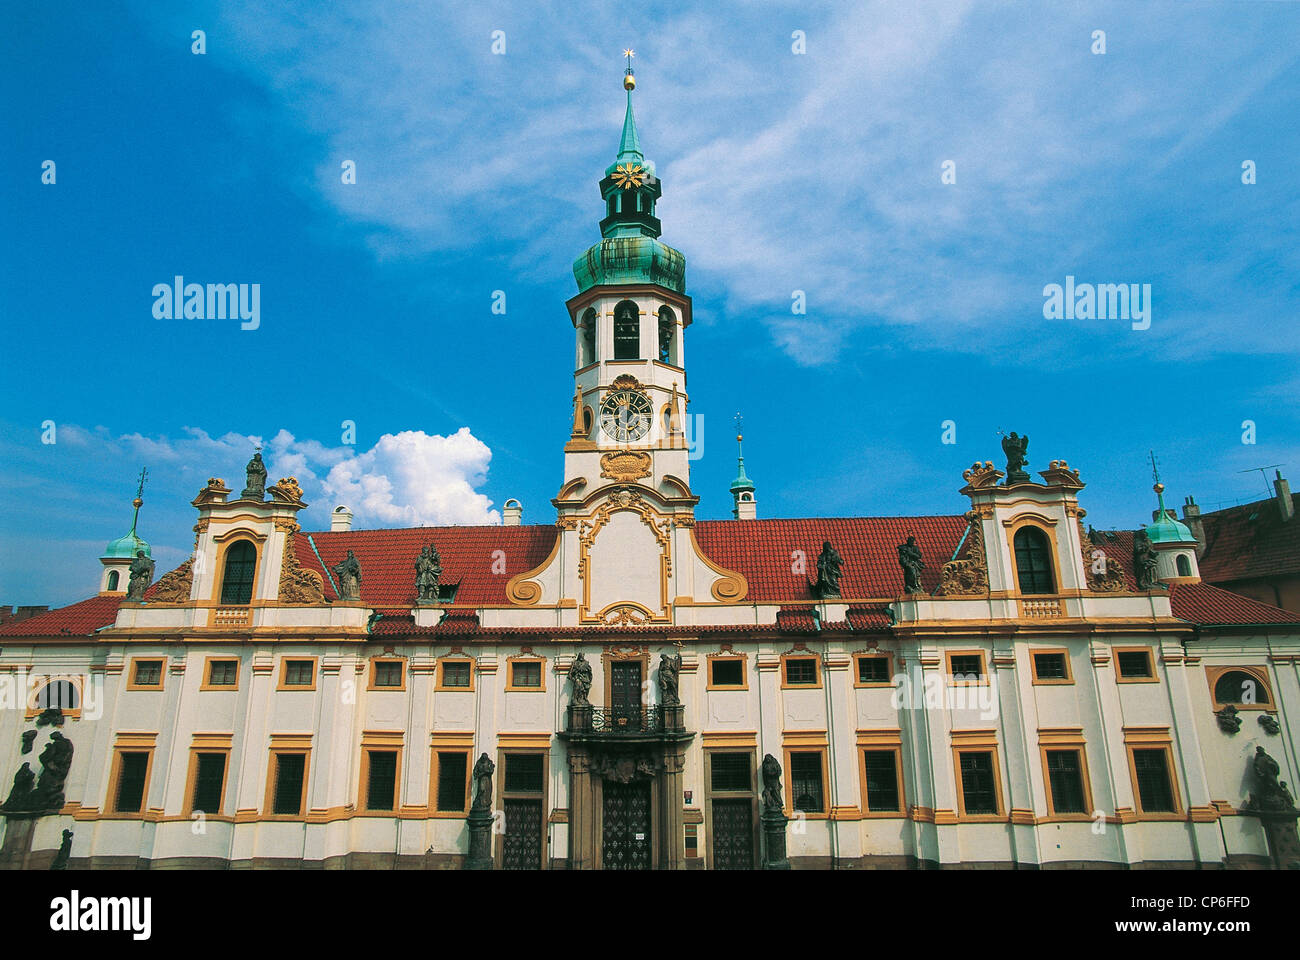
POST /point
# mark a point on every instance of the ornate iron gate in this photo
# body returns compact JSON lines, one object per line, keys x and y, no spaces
{"x":626,"y":843}
{"x":733,"y":834}
{"x":521,"y":847}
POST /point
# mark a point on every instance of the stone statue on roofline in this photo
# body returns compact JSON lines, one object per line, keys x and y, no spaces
{"x":1014,"y":446}
{"x":580,"y":675}
{"x":428,"y":573}
{"x":829,"y":567}
{"x":141,"y":575}
{"x":255,"y":479}
{"x":909,"y":558}
{"x":348,"y":574}
{"x":1144,"y":562}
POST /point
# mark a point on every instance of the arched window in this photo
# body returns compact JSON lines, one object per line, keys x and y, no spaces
{"x":58,"y":693}
{"x":237,"y":582}
{"x":1240,"y":688}
{"x":113,"y":578}
{"x":667,"y":336}
{"x":588,"y":332}
{"x":587,"y":421}
{"x":1034,"y":561}
{"x":627,"y":331}
{"x":1184,"y":565}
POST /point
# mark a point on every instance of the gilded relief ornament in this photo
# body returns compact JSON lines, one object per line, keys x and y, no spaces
{"x":968,"y":576}
{"x":628,"y":175}
{"x":626,"y":466}
{"x":174,"y":587}
{"x":296,"y":584}
{"x":1105,"y":574}
{"x":287,"y":490}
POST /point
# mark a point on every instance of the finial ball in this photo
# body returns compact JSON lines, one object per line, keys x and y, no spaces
{"x":739,"y":437}
{"x":137,"y":503}
{"x":1159,"y":488}
{"x":629,"y":82}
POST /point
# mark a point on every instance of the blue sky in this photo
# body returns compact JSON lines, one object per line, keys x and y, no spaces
{"x":781,"y":171}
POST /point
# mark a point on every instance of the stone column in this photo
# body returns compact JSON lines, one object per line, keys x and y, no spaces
{"x":582,"y":810}
{"x":671,"y":818}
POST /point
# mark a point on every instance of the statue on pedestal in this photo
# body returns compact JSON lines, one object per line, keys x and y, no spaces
{"x":255,"y":480}
{"x":483,"y":771}
{"x":428,"y":573}
{"x":141,"y":573}
{"x":1014,"y":447}
{"x":772,"y":799}
{"x":580,"y":675}
{"x":829,"y":567}
{"x":669,"y":668}
{"x":909,"y":558}
{"x":348,"y":572}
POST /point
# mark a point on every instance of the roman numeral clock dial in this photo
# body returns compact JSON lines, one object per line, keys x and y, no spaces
{"x":625,"y":415}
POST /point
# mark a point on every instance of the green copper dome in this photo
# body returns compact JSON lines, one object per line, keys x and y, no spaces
{"x":124,"y":548}
{"x":742,"y":482}
{"x":630,"y":251}
{"x":1166,"y":529}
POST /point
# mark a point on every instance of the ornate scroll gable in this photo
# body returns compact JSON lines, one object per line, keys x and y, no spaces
{"x":625,"y":466}
{"x":982,"y":475}
{"x":1105,"y":573}
{"x":175,"y":587}
{"x":296,"y":584}
{"x":286,"y":490}
{"x":968,"y":576}
{"x":623,"y":499}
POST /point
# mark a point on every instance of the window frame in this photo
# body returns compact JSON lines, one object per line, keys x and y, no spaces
{"x":207,"y":685}
{"x":814,"y":743}
{"x":212,"y":744}
{"x":727,"y":657}
{"x":1038,"y":681}
{"x":219,"y":587}
{"x":464,"y":747}
{"x":375,"y":686}
{"x":512,"y":686}
{"x":1152,"y":676}
{"x":145,"y":743}
{"x":288,"y":745}
{"x":978,"y":741}
{"x":1153,"y":738}
{"x":817,"y":671}
{"x":860,"y":684}
{"x":637,"y":319}
{"x":69,"y":713}
{"x":1213,"y":674}
{"x":951,"y":678}
{"x":881,"y":741}
{"x":441,"y":687}
{"x":380,"y":742}
{"x":1063,"y":741}
{"x":1053,"y":565}
{"x":284,"y":674}
{"x":133,"y":666}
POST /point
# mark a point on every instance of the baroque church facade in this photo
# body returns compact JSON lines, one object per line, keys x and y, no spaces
{"x":629,"y":687}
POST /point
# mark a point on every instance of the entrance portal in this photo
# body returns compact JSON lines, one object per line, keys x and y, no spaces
{"x":627,"y":838}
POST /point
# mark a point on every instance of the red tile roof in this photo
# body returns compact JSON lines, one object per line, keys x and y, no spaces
{"x":481,"y":559}
{"x":779,"y":557}
{"x":79,"y":619}
{"x":1206,"y":604}
{"x":1250,"y":541}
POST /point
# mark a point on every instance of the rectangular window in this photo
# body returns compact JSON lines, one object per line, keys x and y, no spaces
{"x":881,"y":780}
{"x":455,"y":674}
{"x":388,"y":673}
{"x":1065,"y":780}
{"x":209,"y":780}
{"x":968,"y":667}
{"x":873,"y":670}
{"x":801,"y":672}
{"x":526,"y":674}
{"x":299,"y":673}
{"x":1052,"y":667}
{"x":453,"y":767}
{"x":290,"y":771}
{"x":727,"y":672}
{"x":146,"y":673}
{"x":132,"y":773}
{"x":381,"y":779}
{"x":223,"y":673}
{"x":1155,"y":788}
{"x":523,"y":773}
{"x":978,"y":783}
{"x":806,"y":781}
{"x":729,"y":772}
{"x":1134,"y":664}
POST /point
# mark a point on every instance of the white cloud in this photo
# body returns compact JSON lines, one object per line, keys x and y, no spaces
{"x":414,"y":479}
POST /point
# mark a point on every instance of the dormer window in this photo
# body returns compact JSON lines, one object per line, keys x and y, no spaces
{"x":1034,"y":561}
{"x":237,"y":581}
{"x":627,"y":331}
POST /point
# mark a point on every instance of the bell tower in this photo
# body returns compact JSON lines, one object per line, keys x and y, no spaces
{"x":627,"y":552}
{"x":629,"y":320}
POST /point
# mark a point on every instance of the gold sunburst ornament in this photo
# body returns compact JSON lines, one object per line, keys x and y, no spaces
{"x":628,"y":175}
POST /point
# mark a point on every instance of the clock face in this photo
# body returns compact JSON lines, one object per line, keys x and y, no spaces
{"x":625,"y":415}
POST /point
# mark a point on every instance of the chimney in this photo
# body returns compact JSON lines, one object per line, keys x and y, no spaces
{"x":1192,"y":517}
{"x":1285,"y":506}
{"x":512,"y":513}
{"x":341,"y":519}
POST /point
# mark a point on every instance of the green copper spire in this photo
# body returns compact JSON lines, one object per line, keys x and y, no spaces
{"x":128,"y":545}
{"x":1165,"y":529}
{"x":631,"y":252}
{"x":742,"y":481}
